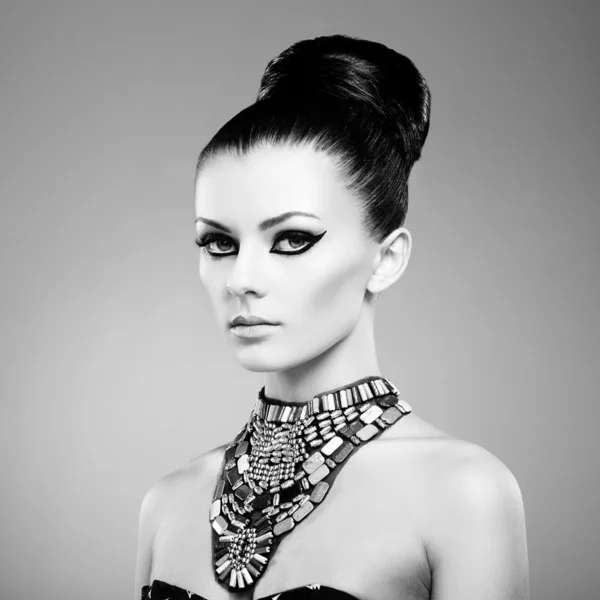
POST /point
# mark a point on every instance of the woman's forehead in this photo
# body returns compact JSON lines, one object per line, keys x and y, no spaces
{"x":280,"y":174}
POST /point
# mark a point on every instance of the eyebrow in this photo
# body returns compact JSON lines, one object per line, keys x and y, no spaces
{"x":266,"y":224}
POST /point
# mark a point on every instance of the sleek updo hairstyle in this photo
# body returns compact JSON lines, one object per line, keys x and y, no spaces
{"x":362,"y":103}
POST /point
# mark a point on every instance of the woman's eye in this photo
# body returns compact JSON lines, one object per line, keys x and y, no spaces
{"x":298,"y":243}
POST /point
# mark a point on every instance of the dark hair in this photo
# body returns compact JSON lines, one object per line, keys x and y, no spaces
{"x":364,"y":104}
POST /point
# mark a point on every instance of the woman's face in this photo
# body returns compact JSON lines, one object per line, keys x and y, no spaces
{"x":308,"y":274}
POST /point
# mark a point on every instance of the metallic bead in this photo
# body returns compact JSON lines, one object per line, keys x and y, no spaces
{"x":215,"y":509}
{"x":344,"y":396}
{"x":286,"y":413}
{"x":371,"y":414}
{"x":223,"y":558}
{"x":265,"y":536}
{"x":387,"y":401}
{"x":241,"y":448}
{"x":351,"y":429}
{"x":224,"y":574}
{"x":284,"y":526}
{"x":313,"y":462}
{"x":367,"y":432}
{"x":243,"y":463}
{"x":329,"y":401}
{"x":220,"y":524}
{"x":342,"y":452}
{"x":303,"y":511}
{"x":219,"y":489}
{"x":315,"y":405}
{"x":319,"y":491}
{"x":237,"y":524}
{"x":381,"y":424}
{"x":331,"y":445}
{"x":317,"y":475}
{"x":240,"y":579}
{"x":233,"y":475}
{"x":391,"y":415}
{"x":247,"y":576}
{"x":363,"y":391}
{"x":223,"y":566}
{"x":243,"y":492}
{"x":404,"y":406}
{"x":230,"y":452}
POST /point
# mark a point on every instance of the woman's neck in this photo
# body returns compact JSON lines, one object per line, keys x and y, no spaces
{"x":352,"y":358}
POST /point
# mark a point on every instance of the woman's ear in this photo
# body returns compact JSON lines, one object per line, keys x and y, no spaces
{"x":391,"y":260}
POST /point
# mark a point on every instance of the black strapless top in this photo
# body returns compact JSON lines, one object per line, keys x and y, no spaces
{"x":161,"y":590}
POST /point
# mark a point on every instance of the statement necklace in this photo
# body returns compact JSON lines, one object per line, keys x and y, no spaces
{"x":281,"y":465}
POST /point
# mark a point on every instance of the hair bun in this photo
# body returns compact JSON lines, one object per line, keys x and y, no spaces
{"x":352,"y":70}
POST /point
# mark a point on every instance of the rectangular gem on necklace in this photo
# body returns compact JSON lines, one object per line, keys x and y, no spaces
{"x":367,"y":432}
{"x":391,"y":415}
{"x":313,"y":462}
{"x":333,"y":444}
{"x":319,"y":474}
{"x":403,"y":405}
{"x":215,"y":509}
{"x":319,"y":491}
{"x":342,"y":452}
{"x":304,"y":510}
{"x":370,"y":415}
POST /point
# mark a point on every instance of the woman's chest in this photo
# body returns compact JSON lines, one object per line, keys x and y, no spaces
{"x":364,"y":538}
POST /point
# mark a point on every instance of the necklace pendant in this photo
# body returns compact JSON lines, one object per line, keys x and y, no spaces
{"x":244,"y":553}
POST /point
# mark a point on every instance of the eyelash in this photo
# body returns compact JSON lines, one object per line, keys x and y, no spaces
{"x":211,"y":237}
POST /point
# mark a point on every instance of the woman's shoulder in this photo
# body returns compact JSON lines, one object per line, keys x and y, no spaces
{"x":444,"y":467}
{"x":178,"y":483}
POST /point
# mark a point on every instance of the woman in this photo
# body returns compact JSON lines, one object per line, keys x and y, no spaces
{"x":300,"y":205}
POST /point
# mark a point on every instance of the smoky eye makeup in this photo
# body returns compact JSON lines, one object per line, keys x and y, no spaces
{"x":299,"y":242}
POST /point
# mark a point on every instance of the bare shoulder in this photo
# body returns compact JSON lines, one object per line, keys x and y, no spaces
{"x":447,"y":464}
{"x":450,"y":477}
{"x":469,"y":497}
{"x":471,"y":520}
{"x":170,"y":489}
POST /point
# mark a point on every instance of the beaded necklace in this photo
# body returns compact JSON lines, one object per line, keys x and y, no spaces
{"x":281,"y":465}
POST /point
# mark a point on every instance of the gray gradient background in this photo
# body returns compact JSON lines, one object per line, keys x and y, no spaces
{"x":114,"y":370}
